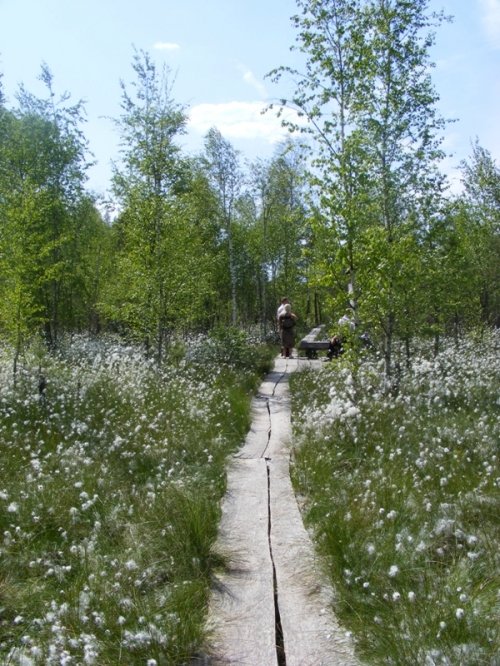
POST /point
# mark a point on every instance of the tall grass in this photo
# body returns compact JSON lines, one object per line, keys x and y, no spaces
{"x":401,"y":489}
{"x":110,"y":482}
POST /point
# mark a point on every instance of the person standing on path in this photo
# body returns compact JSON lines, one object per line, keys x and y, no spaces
{"x":279,"y":312}
{"x":287,"y":321}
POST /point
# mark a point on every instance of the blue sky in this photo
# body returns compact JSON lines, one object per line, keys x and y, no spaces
{"x":218,"y":52}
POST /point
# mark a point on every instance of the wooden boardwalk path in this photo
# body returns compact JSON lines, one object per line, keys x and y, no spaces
{"x":272,"y":607}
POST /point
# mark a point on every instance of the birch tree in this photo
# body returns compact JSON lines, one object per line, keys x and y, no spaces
{"x":481,"y":211}
{"x":330,"y":37}
{"x":403,"y":132}
{"x":277,"y":187}
{"x":42,"y":174}
{"x":160,"y":282}
{"x":370,"y":108}
{"x":223,"y":170}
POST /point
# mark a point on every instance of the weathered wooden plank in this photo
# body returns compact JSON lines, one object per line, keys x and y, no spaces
{"x":311,"y":632}
{"x":281,"y":425}
{"x":312,"y":335}
{"x":260,"y":498}
{"x":257,"y":438}
{"x":312,"y":636}
{"x":241,"y":618}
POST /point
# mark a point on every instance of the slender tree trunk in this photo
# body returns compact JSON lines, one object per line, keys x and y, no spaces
{"x":317,"y":309}
{"x":263,"y":306}
{"x":261,"y":309}
{"x":263,"y":285}
{"x":17,"y":352}
{"x":437,"y":342}
{"x":308,"y":305}
{"x":408,"y":351}
{"x":232,"y":274}
{"x":389,"y":335}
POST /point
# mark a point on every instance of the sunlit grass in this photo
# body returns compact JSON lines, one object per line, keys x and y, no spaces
{"x":109,"y":500}
{"x":401,"y":490}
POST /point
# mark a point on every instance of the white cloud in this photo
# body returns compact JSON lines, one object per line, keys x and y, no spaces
{"x":250,"y":78}
{"x":239,"y":120}
{"x":490,"y":17}
{"x":166,"y":46}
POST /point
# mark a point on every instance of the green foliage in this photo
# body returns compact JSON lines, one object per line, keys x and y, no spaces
{"x":43,"y":232}
{"x":197,"y":244}
{"x":155,"y":290}
{"x":221,"y":164}
{"x":278,"y":228}
{"x":370,"y":108}
{"x":480,"y":213}
{"x":160,"y":281}
{"x":235,"y":348}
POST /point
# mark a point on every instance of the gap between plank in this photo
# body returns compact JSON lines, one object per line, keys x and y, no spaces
{"x":280,"y":641}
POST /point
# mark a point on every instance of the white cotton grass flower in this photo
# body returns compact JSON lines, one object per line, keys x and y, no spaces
{"x":131,"y":565}
{"x":459,"y":613}
{"x":442,"y":627}
{"x":370,"y":549}
{"x":352,"y":412}
{"x":393,"y":571}
{"x":445,"y":527}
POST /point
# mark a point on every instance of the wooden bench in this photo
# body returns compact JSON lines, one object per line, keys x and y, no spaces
{"x":311,"y":345}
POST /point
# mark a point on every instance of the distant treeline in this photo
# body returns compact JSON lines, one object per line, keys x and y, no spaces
{"x":352,"y":211}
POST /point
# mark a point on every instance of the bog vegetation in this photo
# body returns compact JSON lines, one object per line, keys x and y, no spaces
{"x":352,"y":212}
{"x":401,"y":491}
{"x":111,"y":480}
